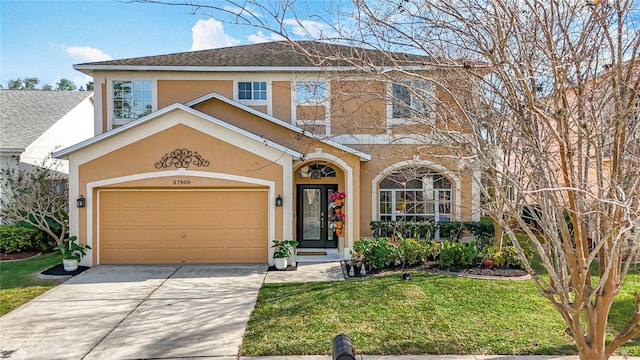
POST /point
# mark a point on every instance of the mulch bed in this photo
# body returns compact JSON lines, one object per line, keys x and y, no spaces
{"x":476,"y":271}
{"x":18,"y":255}
{"x":58,"y":270}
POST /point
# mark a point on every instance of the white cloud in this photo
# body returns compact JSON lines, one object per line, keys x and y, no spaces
{"x":86,"y":53}
{"x":82,"y":81}
{"x":259,"y":37}
{"x":309,"y":28}
{"x":209,"y":34}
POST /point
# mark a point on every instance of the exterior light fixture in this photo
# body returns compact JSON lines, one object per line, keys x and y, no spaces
{"x":81,"y":202}
{"x":279,"y":200}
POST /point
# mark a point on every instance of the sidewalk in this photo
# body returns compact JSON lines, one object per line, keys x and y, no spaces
{"x":434,"y":357}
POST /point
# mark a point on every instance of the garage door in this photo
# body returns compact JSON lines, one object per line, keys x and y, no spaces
{"x":170,"y":227}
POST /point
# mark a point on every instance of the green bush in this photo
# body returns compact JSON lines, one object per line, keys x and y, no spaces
{"x":407,"y":229}
{"x":19,"y":238}
{"x":377,"y":253}
{"x":453,"y":230}
{"x":456,"y":254}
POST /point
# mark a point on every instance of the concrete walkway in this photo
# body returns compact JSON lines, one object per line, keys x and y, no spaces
{"x":308,"y":272}
{"x":137,"y":312}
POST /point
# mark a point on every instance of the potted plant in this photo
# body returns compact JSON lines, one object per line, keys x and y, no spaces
{"x":72,"y":253}
{"x":337,"y":199}
{"x":283,"y":250}
{"x":292,"y":247}
{"x":337,"y":221}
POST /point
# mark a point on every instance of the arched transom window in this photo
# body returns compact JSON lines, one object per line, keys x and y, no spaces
{"x":317,"y":171}
{"x":415,"y":194}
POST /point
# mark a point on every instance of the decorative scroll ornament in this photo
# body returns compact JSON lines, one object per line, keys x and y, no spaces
{"x":181,"y":158}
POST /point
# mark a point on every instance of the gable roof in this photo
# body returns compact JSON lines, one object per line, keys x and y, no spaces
{"x":284,"y":124}
{"x":27,"y":114}
{"x":171,"y":108}
{"x":279,"y":55}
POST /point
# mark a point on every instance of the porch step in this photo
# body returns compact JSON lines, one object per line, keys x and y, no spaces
{"x":317,"y":255}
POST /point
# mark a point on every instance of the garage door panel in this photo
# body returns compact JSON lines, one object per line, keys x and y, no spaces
{"x":151,"y":227}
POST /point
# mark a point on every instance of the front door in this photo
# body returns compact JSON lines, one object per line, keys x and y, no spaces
{"x":312,"y":215}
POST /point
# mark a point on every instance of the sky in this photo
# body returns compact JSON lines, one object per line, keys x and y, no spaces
{"x":44,"y":39}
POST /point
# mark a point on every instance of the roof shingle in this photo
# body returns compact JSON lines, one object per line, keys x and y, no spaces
{"x":271,"y":54}
{"x":26,"y":114}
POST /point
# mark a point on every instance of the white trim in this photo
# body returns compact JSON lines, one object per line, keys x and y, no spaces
{"x":384,"y":139}
{"x":171,"y":108}
{"x":476,"y":178}
{"x":89,"y":68}
{"x":443,"y":170}
{"x":88,"y":260}
{"x":349,"y":190}
{"x":111,"y":121}
{"x":286,"y":125}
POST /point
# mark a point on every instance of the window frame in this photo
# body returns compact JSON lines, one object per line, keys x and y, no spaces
{"x":414,"y":104}
{"x":112,"y":120}
{"x":395,"y":198}
{"x":253,"y":91}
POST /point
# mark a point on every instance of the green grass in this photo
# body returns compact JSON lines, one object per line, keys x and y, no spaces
{"x":18,"y":282}
{"x":431,"y":314}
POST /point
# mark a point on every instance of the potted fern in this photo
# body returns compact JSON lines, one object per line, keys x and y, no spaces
{"x":72,"y":253}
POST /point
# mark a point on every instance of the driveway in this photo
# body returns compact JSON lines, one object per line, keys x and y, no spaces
{"x":137,"y":312}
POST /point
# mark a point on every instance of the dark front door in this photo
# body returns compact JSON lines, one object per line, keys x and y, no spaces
{"x":312,"y":215}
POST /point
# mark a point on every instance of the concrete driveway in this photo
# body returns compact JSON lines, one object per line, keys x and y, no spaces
{"x":137,"y":312}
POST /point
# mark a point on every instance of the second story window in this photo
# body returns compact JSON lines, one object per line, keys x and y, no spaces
{"x":310,"y":91}
{"x":256,"y":90}
{"x":410,"y":99}
{"x":131,"y":99}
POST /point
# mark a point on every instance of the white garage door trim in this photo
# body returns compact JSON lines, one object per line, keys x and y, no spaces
{"x":100,"y":192}
{"x":88,"y":260}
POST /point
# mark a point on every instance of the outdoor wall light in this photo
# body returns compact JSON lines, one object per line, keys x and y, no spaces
{"x":279,"y":200}
{"x":81,"y":201}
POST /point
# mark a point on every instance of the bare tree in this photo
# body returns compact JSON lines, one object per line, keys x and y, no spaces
{"x":39,"y":197}
{"x":543,"y":96}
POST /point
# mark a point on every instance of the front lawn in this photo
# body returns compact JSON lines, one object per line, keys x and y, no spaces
{"x":18,"y":281}
{"x":430,"y":314}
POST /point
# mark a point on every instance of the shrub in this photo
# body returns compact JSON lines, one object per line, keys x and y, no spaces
{"x":408,"y":229}
{"x":409,"y":251}
{"x":19,"y":238}
{"x":377,"y":253}
{"x":457,"y":254}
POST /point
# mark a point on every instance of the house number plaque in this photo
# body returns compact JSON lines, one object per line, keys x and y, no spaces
{"x":181,"y":158}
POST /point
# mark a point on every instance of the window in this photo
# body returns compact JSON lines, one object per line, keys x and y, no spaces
{"x":310,"y":91}
{"x":131,"y":99}
{"x":415,"y":194}
{"x":410,"y":100}
{"x":317,"y":171}
{"x":256,"y":90}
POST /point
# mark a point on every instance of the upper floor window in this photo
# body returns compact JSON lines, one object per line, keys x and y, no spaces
{"x":131,"y":99}
{"x":410,"y":99}
{"x":256,"y":90}
{"x":310,"y":91}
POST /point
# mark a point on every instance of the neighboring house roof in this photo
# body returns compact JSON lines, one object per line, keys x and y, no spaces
{"x":280,"y":55}
{"x":27,"y":114}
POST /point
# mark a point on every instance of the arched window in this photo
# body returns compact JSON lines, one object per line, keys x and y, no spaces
{"x":415,"y":194}
{"x":317,"y":171}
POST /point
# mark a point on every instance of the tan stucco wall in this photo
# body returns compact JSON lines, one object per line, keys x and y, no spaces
{"x":172,"y":91}
{"x":384,"y":156}
{"x":361,"y":108}
{"x":141,"y":156}
{"x":281,"y":91}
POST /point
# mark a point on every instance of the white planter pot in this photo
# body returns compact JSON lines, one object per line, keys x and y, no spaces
{"x":291,"y":261}
{"x":281,"y":263}
{"x":70,"y":264}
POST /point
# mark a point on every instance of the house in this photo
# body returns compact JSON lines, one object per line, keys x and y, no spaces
{"x":208,"y":156}
{"x":35,"y":123}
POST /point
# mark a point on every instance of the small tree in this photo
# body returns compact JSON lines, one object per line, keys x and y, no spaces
{"x":65,"y":85}
{"x":38,"y":197}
